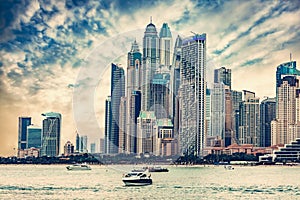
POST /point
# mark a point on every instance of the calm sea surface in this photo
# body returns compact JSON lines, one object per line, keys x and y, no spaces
{"x":104,"y":182}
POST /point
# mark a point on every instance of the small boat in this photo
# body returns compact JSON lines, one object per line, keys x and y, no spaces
{"x":157,"y":169}
{"x":137,"y":179}
{"x":79,"y":167}
{"x":228,"y":167}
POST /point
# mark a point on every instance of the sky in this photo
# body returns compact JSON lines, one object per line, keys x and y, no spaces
{"x":55,"y":55}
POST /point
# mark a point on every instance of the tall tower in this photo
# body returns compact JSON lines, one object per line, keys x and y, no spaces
{"x":133,"y":103}
{"x":287,"y":94}
{"x":286,"y":121}
{"x":134,"y":110}
{"x":108,"y":120}
{"x":193,"y":91}
{"x":237,"y":99}
{"x":267,"y":114}
{"x":165,"y":45}
{"x":22,"y":132}
{"x":150,"y":63}
{"x":51,"y":134}
{"x":249,"y":132}
{"x":117,"y":91}
{"x":218,"y":110}
{"x":122,"y":125}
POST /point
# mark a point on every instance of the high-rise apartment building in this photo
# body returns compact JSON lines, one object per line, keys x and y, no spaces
{"x":107,"y":128}
{"x":133,"y":103}
{"x":229,"y":126}
{"x":218,"y":110}
{"x":134,"y":111}
{"x":122,"y":125}
{"x":51,"y":134}
{"x":237,"y":99}
{"x":286,"y":123}
{"x":249,"y":132}
{"x":22,"y":131}
{"x":193,"y":92}
{"x":267,"y":114}
{"x":286,"y":126}
{"x":147,"y":133}
{"x":117,"y":91}
{"x":34,"y":137}
{"x":208,"y":132}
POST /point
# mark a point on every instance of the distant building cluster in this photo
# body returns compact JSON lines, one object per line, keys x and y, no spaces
{"x":167,"y":108}
{"x":39,"y":141}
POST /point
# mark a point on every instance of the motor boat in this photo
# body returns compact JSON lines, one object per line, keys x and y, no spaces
{"x":137,"y":179}
{"x":228,"y":167}
{"x":79,"y":167}
{"x":157,"y":169}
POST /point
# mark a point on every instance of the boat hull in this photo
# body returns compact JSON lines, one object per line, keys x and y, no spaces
{"x":137,"y":182}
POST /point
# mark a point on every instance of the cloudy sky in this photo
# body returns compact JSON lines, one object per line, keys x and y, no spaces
{"x":55,"y":55}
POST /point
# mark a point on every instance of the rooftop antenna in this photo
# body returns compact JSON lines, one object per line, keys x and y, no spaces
{"x":290,"y":57}
{"x":194,"y":33}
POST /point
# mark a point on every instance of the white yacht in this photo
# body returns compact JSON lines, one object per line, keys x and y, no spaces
{"x":137,"y":179}
{"x":79,"y":167}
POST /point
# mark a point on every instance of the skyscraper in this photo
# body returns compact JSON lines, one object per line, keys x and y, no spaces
{"x":237,"y":99}
{"x":283,"y":127}
{"x":117,"y":91}
{"x":134,"y":110}
{"x":267,"y":114}
{"x":150,"y":63}
{"x":229,"y":128}
{"x":34,"y":137}
{"x":218,"y":110}
{"x":133,"y":103}
{"x":165,"y":45}
{"x":249,"y":132}
{"x":51,"y":134}
{"x":122,"y":125}
{"x":83,"y":142}
{"x":146,"y":138}
{"x":22,"y":132}
{"x":193,"y":91}
{"x":77,"y":142}
{"x":108,"y":120}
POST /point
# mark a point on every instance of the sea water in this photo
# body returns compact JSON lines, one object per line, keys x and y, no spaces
{"x":181,"y":182}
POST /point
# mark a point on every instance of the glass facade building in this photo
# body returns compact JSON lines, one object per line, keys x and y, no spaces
{"x":51,"y":134}
{"x":193,"y":95}
{"x":22,"y":131}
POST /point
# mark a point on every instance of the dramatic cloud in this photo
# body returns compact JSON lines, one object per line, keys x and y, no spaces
{"x":51,"y":49}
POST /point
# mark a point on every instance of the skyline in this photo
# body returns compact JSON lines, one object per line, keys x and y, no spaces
{"x":33,"y":82}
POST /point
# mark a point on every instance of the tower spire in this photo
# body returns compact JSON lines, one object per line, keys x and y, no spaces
{"x":151,"y":19}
